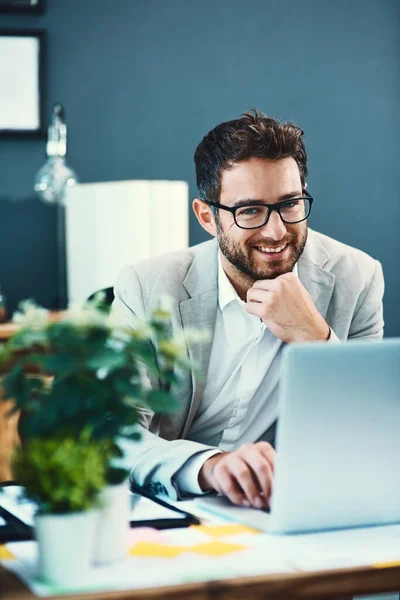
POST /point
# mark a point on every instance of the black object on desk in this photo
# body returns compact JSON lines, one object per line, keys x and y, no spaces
{"x":171,"y":518}
{"x":165,"y":516}
{"x":14,"y":530}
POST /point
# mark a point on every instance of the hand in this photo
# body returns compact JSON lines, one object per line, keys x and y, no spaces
{"x":245,"y":475}
{"x":287,"y":309}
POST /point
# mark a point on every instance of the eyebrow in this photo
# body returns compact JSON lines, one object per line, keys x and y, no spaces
{"x":252,"y":202}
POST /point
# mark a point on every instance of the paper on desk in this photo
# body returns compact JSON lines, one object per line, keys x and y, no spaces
{"x":347,"y":547}
{"x":227,"y":551}
{"x":139,"y":572}
{"x":5,"y":554}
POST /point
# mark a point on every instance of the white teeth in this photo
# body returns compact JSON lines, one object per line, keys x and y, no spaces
{"x":273,"y":249}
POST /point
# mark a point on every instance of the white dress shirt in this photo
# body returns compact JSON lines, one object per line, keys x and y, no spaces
{"x":240,"y":399}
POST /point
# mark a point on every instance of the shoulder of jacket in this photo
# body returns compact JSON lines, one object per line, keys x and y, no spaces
{"x":343,"y":256}
{"x":172,"y":265}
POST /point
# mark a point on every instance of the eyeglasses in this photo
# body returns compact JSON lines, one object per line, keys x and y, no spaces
{"x":252,"y":216}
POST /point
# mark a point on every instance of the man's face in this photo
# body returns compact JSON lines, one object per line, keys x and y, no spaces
{"x":244,"y":250}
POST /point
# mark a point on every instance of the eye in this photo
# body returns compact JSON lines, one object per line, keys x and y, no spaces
{"x":249,"y":212}
{"x":291,"y":203}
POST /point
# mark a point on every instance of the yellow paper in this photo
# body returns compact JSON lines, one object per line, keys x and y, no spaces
{"x":387,"y":565}
{"x":5,"y":554}
{"x":216,"y":548}
{"x":156,"y":550}
{"x":220,"y":530}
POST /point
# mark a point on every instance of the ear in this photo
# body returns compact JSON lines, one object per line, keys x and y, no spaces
{"x":204,"y":216}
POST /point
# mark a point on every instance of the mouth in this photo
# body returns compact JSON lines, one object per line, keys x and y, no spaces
{"x":273,"y":252}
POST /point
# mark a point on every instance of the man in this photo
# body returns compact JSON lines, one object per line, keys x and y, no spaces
{"x":266,"y":281}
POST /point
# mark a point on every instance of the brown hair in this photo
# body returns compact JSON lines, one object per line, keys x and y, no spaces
{"x":252,"y":135}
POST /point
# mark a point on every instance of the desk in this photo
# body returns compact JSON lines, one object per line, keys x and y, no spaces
{"x":9,"y":328}
{"x":336,"y":584}
{"x":339,"y":583}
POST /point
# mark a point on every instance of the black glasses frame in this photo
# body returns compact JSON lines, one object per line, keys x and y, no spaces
{"x":271,"y":207}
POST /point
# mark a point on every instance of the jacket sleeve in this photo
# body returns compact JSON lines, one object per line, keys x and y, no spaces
{"x":367,"y":322}
{"x":154,"y":462}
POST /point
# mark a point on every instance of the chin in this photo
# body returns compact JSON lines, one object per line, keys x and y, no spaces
{"x":275,"y":269}
{"x":274,"y":273}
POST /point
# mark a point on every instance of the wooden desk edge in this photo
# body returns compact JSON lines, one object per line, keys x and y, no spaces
{"x":8,"y":328}
{"x":336,"y":583}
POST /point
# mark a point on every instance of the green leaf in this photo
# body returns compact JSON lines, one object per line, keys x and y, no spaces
{"x":59,"y":363}
{"x":106,"y":358}
{"x":116,"y":475}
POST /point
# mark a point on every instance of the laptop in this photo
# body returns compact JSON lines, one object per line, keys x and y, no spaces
{"x":338,"y":440}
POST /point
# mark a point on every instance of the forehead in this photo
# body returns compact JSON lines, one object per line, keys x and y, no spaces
{"x":260,"y":179}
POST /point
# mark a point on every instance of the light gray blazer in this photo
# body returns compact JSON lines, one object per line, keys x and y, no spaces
{"x":345,"y":284}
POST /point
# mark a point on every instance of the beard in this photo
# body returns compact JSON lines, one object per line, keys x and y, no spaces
{"x":243,"y":259}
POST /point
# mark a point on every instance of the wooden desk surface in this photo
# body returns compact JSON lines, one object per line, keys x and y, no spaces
{"x":339,"y":584}
{"x":7,"y":329}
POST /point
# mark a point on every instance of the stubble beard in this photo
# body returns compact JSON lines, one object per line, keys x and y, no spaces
{"x":241,"y":256}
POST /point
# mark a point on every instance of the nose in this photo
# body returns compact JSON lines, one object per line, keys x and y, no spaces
{"x":274,"y":227}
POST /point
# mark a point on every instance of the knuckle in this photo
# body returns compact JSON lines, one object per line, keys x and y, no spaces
{"x":221,"y":469}
{"x":265,"y":445}
{"x":246,"y":447}
{"x":242,"y":473}
{"x":231,"y":489}
{"x":264,"y":469}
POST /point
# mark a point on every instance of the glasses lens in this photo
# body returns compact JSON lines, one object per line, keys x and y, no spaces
{"x":251,"y":216}
{"x":295,"y":210}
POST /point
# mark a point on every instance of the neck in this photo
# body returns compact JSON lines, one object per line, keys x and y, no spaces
{"x":240,"y":281}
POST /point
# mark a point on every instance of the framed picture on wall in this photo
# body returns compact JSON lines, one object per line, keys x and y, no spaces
{"x":22,"y":6}
{"x":21,"y":82}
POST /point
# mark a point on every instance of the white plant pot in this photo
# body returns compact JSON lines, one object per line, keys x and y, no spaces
{"x":65,"y":546}
{"x":111,"y":539}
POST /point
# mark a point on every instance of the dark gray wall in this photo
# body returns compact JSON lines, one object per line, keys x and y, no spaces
{"x":143,"y":81}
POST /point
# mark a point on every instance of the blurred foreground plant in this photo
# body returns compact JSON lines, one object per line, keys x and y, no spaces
{"x":80,"y":384}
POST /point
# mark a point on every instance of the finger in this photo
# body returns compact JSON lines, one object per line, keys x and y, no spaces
{"x":247,"y":480}
{"x":226,"y":484}
{"x":269,"y":285}
{"x":272,"y":284}
{"x":258,"y":295}
{"x":256,"y":308}
{"x":268,"y":452}
{"x":261,"y":470}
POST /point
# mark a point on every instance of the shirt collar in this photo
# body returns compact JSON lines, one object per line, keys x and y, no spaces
{"x":226,"y":291}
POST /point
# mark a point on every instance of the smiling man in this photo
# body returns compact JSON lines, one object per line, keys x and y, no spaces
{"x":266,"y":280}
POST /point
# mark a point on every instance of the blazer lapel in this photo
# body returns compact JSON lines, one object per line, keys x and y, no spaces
{"x":317,"y":281}
{"x":199,"y":312}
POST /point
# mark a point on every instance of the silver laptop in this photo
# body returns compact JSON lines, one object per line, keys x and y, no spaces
{"x":338,"y":440}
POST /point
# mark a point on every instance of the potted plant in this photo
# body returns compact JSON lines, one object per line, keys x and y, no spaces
{"x":63,"y":474}
{"x":80,"y":383}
